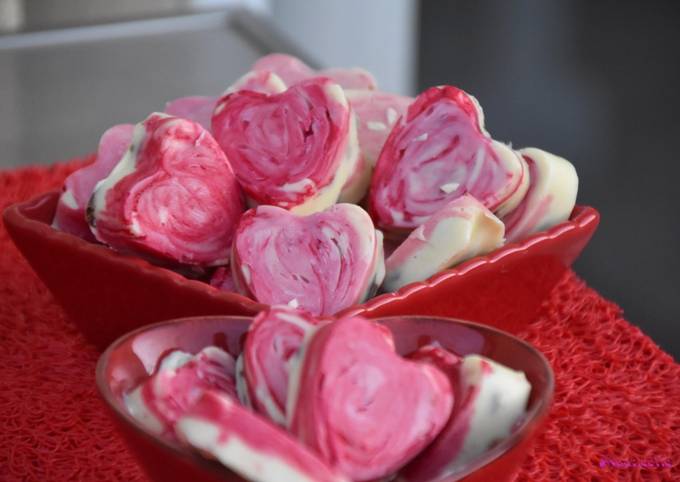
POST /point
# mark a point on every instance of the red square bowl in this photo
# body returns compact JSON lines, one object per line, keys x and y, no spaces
{"x":107,"y":294}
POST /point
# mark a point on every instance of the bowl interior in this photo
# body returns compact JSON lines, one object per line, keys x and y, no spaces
{"x":131,"y":358}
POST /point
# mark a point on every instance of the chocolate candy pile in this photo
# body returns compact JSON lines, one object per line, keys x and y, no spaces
{"x":318,"y":399}
{"x":306,"y":151}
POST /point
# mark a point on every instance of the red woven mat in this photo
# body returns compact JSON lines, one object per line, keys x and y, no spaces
{"x":616,"y":414}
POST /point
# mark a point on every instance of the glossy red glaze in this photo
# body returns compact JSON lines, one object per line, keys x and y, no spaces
{"x":128,"y":360}
{"x":107,"y":294}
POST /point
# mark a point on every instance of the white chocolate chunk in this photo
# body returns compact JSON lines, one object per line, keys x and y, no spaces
{"x":464,"y":228}
{"x":550,"y":198}
{"x":134,"y":402}
{"x":236,"y":454}
{"x":392,"y":115}
{"x":501,"y":399}
{"x":376,"y":126}
{"x":69,"y":200}
{"x":449,"y":187}
{"x":516,"y":197}
{"x":174,"y":360}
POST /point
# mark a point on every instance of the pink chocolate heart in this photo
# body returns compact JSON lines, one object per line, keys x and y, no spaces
{"x":326,"y":261}
{"x":78,"y":187}
{"x":295,"y":149}
{"x":438,"y":152}
{"x":178,"y":383}
{"x":358,"y":404}
{"x":249,"y":445}
{"x":172,"y":197}
{"x":273,"y":339}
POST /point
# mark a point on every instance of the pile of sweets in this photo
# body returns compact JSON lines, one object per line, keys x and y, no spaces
{"x":313,"y":187}
{"x":316,"y":399}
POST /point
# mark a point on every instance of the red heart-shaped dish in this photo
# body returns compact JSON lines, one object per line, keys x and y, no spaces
{"x":107,"y":294}
{"x":129,"y":360}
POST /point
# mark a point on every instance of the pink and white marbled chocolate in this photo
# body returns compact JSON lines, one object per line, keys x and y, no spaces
{"x":172,"y":197}
{"x":438,"y":152}
{"x":325,"y":261}
{"x":460,"y":230}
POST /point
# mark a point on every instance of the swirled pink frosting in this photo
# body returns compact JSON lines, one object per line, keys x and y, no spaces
{"x":362,"y":407}
{"x":326,"y":261}
{"x":78,"y":187}
{"x":438,"y":152}
{"x":172,"y":197}
{"x":200,"y":108}
{"x":273,"y":339}
{"x":248,"y":444}
{"x":291,"y":149}
{"x":177,"y":384}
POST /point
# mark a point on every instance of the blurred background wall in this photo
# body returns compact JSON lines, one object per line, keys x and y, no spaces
{"x":595,"y":82}
{"x":598,"y":83}
{"x":380,"y":35}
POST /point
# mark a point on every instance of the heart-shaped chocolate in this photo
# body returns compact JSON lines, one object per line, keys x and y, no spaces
{"x":78,"y":187}
{"x":460,"y":230}
{"x":200,"y":108}
{"x":176,"y":385}
{"x":295,"y":149}
{"x":490,"y":399}
{"x":172,"y":197}
{"x":358,"y":404}
{"x":550,"y":198}
{"x":249,"y":445}
{"x":292,"y":70}
{"x":438,"y":152}
{"x":326,"y":261}
{"x":273,"y":339}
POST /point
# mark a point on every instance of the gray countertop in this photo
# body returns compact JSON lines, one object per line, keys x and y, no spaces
{"x":60,"y":90}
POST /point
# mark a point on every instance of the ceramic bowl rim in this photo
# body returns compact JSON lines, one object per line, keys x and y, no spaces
{"x":532,"y":417}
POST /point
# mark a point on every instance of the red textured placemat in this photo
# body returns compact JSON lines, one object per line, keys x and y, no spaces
{"x":617,"y":402}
